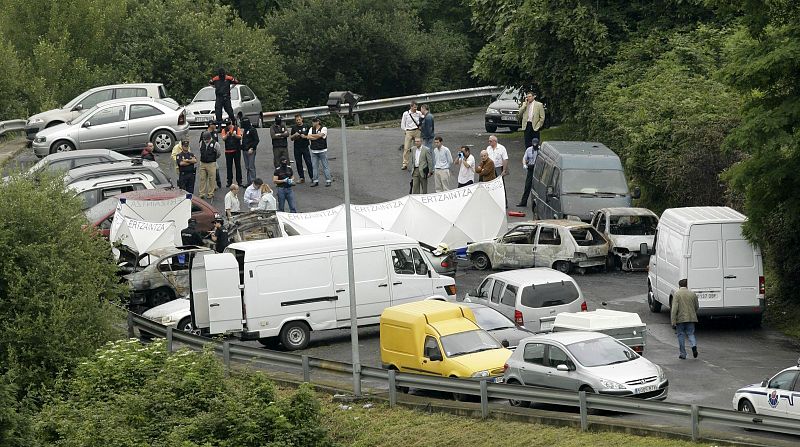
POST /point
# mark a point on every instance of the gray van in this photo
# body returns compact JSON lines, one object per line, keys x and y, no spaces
{"x":572,"y":179}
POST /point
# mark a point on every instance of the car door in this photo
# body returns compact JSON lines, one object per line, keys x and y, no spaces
{"x":106,"y":128}
{"x":532,"y":371}
{"x":548,"y":246}
{"x":565,"y":380}
{"x":497,"y":291}
{"x":142,"y":119}
{"x":524,"y":249}
{"x":410,"y":281}
{"x":779,"y":394}
{"x":175,"y":270}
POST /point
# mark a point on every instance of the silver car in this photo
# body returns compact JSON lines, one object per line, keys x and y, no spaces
{"x":243,"y":101}
{"x":584,"y":361}
{"x":65,"y":161}
{"x":117,"y":125}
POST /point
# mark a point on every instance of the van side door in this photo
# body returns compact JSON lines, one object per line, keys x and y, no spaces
{"x":740,"y":271}
{"x":555,"y":199}
{"x":538,"y":189}
{"x":409,"y":275}
{"x":432,"y":359}
{"x":371,"y":281}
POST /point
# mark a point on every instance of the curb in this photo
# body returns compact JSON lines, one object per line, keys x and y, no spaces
{"x":10,"y":149}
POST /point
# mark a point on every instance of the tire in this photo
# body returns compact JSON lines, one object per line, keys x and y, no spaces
{"x":186,"y":325}
{"x":269,"y":342}
{"x":562,"y":266}
{"x":481,"y":261}
{"x":518,"y":403}
{"x":491,"y":128}
{"x":295,"y":335}
{"x":163,"y":141}
{"x":655,"y":306}
{"x":160,"y":296}
{"x":61,"y":146}
{"x":513,"y":129}
{"x":745,"y":406}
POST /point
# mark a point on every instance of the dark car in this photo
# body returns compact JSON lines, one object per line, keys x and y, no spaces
{"x":505,"y":331}
{"x":502,"y":112}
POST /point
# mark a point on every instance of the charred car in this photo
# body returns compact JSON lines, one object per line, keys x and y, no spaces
{"x":626,"y":229}
{"x":563,"y":245}
{"x":254,"y":225}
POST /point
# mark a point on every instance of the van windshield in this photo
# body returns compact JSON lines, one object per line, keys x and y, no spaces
{"x":468,"y":342}
{"x":633,"y":225}
{"x":549,"y":294}
{"x":593,"y":181}
{"x":601,"y":351}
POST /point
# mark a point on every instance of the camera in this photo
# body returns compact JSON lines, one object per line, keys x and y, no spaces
{"x":460,"y":154}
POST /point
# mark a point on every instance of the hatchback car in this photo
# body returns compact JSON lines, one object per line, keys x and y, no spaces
{"x":584,"y":361}
{"x":499,"y":326}
{"x":243,"y":101}
{"x":117,"y":125}
{"x":530,"y":297}
{"x":560,"y":244}
{"x":502,"y":112}
{"x":94,"y":191}
{"x":176,"y":314}
{"x":130,"y":166}
{"x":776,"y":396}
{"x":64,"y":161}
{"x":626,"y":229}
{"x":443,"y":260}
{"x":89,"y":99}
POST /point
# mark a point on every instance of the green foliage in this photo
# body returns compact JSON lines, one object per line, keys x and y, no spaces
{"x":56,"y":280}
{"x":16,"y":85}
{"x":129,"y":395}
{"x":14,"y":417}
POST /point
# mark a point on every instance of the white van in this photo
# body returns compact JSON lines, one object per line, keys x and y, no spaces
{"x":288,"y":287}
{"x":705,"y":245}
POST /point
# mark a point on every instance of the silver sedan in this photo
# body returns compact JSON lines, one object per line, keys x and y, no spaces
{"x":244,"y":102}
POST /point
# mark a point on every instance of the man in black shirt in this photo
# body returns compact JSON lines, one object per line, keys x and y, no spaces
{"x":190,"y":235}
{"x":301,"y":151}
{"x":186,"y":167}
{"x":280,"y":144}
{"x":284,"y":181}
{"x":220,"y":235}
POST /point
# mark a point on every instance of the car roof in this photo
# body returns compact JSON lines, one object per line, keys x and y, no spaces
{"x":566,"y":337}
{"x":109,"y":180}
{"x":136,"y":99}
{"x":627,"y":211}
{"x":109,"y":166}
{"x":137,"y":84}
{"x":536,"y":275}
{"x":566,"y":223}
{"x":84,"y":153}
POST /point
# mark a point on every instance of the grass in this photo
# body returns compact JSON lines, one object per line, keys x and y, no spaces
{"x":562,"y":132}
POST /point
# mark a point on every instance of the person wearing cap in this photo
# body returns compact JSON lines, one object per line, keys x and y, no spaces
{"x":531,"y":117}
{"x":190,"y":235}
{"x":280,"y":142}
{"x":209,"y":152}
{"x":253,"y":194}
{"x":283,"y":177}
{"x":318,"y":137}
{"x":528,"y":160}
{"x":177,"y":150}
{"x":219,"y":235}
{"x":186,"y":162}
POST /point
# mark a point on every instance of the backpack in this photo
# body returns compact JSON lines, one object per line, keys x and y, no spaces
{"x":209,"y":152}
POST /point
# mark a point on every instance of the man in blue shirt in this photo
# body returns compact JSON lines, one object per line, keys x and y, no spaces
{"x":528,"y":160}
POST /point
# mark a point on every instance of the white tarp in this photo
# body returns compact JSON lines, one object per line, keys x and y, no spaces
{"x":145,"y":225}
{"x":454,"y":217}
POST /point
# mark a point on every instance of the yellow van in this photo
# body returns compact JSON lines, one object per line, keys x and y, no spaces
{"x":439,"y":338}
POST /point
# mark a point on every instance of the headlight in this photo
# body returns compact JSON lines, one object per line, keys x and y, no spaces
{"x":483,"y":373}
{"x":167,"y":319}
{"x":35,"y":121}
{"x":611,"y":385}
{"x":40,"y":139}
{"x":492,"y":111}
{"x":661,"y":375}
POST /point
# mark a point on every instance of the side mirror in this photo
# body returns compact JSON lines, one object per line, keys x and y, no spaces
{"x":637,"y":193}
{"x":549,"y":192}
{"x":77,"y":108}
{"x":435,"y":356}
{"x":562,"y":367}
{"x":246,"y":98}
{"x":86,"y":124}
{"x":643,"y":248}
{"x":764,"y":382}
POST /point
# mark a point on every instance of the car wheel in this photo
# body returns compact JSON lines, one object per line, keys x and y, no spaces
{"x":62,"y":146}
{"x":654,"y":305}
{"x":513,"y":129}
{"x":745,"y":406}
{"x":491,"y":128}
{"x":163,"y":141}
{"x":517,"y":403}
{"x":481,"y":261}
{"x":562,"y":266}
{"x":295,"y":335}
{"x":186,"y":325}
{"x":160,"y":296}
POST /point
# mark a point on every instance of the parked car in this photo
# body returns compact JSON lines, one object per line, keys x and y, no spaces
{"x":89,"y":99}
{"x":175,"y":314}
{"x":776,"y":396}
{"x":502,"y":112}
{"x":443,"y":260}
{"x":243,"y":101}
{"x":130,"y":166}
{"x":119,"y":124}
{"x":65,"y":161}
{"x":584,"y":361}
{"x":626,"y":229}
{"x":95,"y":190}
{"x":560,"y":244}
{"x":101,"y":215}
{"x":529,"y":297}
{"x":499,"y":326}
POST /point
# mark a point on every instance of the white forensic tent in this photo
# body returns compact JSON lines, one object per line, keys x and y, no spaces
{"x":454,"y":217}
{"x":145,"y":225}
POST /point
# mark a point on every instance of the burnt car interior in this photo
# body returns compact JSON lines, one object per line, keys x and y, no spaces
{"x":587,"y":236}
{"x":633,"y":225}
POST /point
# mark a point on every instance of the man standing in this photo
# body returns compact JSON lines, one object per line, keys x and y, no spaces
{"x":219,"y":235}
{"x":222,"y":84}
{"x":253,"y":194}
{"x":410,"y":123}
{"x":528,"y":160}
{"x":442,"y":161}
{"x":422,"y":167}
{"x":283,"y":177}
{"x":280,"y":142}
{"x":249,"y":146}
{"x":426,"y":126}
{"x":190,"y":235}
{"x":466,"y":167}
{"x":499,"y":155}
{"x":232,"y":204}
{"x":186,"y":161}
{"x":177,"y":150}
{"x":212,"y":129}
{"x":485,"y":170}
{"x":209,"y":152}
{"x":301,"y":151}
{"x":232,"y":136}
{"x":318,"y":138}
{"x":684,"y":315}
{"x":531,"y":116}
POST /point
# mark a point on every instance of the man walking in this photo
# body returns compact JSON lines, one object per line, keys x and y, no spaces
{"x":222,"y":83}
{"x":422,"y":167}
{"x":684,"y":315}
{"x":249,"y":146}
{"x":410,"y":123}
{"x":301,"y":151}
{"x":528,"y":160}
{"x":283,"y":177}
{"x":442,"y":161}
{"x":426,"y":126}
{"x":531,"y":116}
{"x":466,"y":167}
{"x":280,"y":142}
{"x":232,"y":137}
{"x":485,"y":170}
{"x":209,"y":152}
{"x":186,"y":168}
{"x":318,"y":138}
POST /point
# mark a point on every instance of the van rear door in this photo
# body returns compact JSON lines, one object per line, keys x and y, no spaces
{"x":705,"y":267}
{"x":740,"y":277}
{"x":224,"y":294}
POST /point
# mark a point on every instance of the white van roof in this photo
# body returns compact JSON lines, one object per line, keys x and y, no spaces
{"x":686,"y":217}
{"x":538,"y":275}
{"x":317,"y":243}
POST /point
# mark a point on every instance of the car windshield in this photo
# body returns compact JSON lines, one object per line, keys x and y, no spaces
{"x":490,"y":319}
{"x":468,"y":342}
{"x":593,"y":181}
{"x":586,"y":236}
{"x":601,"y":351}
{"x":633,"y":225}
{"x":510,"y":94}
{"x":207,"y":94}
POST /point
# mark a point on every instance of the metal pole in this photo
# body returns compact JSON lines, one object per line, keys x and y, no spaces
{"x":584,"y":411}
{"x":695,"y":423}
{"x":484,"y":399}
{"x":351,"y":277}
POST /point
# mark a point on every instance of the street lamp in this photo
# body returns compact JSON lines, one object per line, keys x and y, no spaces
{"x":335,"y":102}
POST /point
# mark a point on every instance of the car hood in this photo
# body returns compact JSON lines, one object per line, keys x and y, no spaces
{"x":59,"y":114}
{"x":58,"y":129}
{"x":491,"y":360}
{"x":176,"y":306}
{"x":624,"y":372}
{"x":632,"y":243}
{"x":513,"y":335}
{"x":481,"y":244}
{"x":205,"y":105}
{"x":504,"y":104}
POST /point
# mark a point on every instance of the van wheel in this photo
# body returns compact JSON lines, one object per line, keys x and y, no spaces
{"x":295,"y":335}
{"x":481,"y":261}
{"x":562,"y":266}
{"x":518,"y":403}
{"x":652,"y":303}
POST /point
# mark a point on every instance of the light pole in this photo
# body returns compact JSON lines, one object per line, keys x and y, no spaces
{"x":335,"y":101}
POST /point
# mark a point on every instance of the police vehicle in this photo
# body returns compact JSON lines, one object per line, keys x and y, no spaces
{"x":778,"y":396}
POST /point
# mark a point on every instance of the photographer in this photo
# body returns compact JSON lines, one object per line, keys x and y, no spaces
{"x":466,"y":169}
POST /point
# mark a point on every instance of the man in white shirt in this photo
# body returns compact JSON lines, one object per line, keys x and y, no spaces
{"x":410,"y":123}
{"x":442,"y":161}
{"x":466,"y":169}
{"x":232,"y":201}
{"x":499,"y":155}
{"x":253,"y":194}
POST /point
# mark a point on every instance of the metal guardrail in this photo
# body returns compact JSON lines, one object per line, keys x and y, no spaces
{"x":232,"y":352}
{"x":11,"y":126}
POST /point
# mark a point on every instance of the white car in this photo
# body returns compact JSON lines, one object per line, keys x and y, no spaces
{"x":175,"y":314}
{"x":778,"y":396}
{"x":626,"y":230}
{"x":243,"y":101}
{"x":96,"y":190}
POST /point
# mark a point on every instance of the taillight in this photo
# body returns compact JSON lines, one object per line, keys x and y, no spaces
{"x":518,"y":318}
{"x":182,"y":119}
{"x":505,"y":367}
{"x":584,"y":307}
{"x":638,"y":349}
{"x":445,"y":264}
{"x":761,"y":286}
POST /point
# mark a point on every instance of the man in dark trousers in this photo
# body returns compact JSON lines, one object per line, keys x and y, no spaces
{"x":249,"y":145}
{"x":301,"y":151}
{"x":280,"y":143}
{"x":222,"y":83}
{"x":186,"y":168}
{"x":212,"y":129}
{"x":528,"y":160}
{"x":531,"y":117}
{"x":232,"y":136}
{"x":220,"y":235}
{"x":684,"y":315}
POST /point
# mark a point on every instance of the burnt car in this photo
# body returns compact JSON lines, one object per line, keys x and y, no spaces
{"x":626,"y":229}
{"x":255,"y":225}
{"x":563,"y":245}
{"x":443,"y":260}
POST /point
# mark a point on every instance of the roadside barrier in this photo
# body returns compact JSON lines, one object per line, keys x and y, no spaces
{"x":11,"y":126}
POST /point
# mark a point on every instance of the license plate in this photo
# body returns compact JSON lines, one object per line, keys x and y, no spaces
{"x":509,"y":118}
{"x":202,"y":119}
{"x":646,"y":389}
{"x":707,"y":296}
{"x":497,"y":379}
{"x":545,"y":325}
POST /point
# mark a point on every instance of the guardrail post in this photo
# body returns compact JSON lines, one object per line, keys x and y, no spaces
{"x":695,"y":423}
{"x":169,"y":339}
{"x":392,"y":388}
{"x":226,"y":356}
{"x":306,"y":369}
{"x":355,"y":119}
{"x":130,"y":325}
{"x":484,"y":399}
{"x":584,"y":411}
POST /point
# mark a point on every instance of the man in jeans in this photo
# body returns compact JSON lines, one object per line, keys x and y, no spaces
{"x":318,"y":136}
{"x":284,"y":180}
{"x":684,"y":315}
